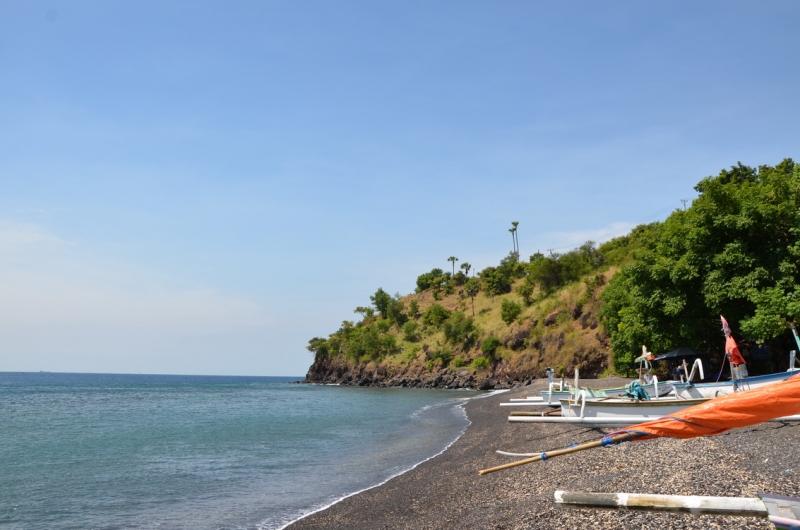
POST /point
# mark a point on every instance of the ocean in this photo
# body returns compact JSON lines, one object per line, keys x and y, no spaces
{"x":97,"y":451}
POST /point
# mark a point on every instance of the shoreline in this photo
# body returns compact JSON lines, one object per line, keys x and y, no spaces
{"x":461,"y":406}
{"x":445,"y":490}
{"x":342,"y":498}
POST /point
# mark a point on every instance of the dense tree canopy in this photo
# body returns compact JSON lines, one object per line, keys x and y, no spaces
{"x":733,"y":252}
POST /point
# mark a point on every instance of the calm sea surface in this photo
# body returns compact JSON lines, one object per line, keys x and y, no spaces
{"x":147,"y":451}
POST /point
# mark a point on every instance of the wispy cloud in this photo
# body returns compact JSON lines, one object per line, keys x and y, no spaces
{"x":562,"y":241}
{"x":22,"y":238}
{"x":57,"y":298}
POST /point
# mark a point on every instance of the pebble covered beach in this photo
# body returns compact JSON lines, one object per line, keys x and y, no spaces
{"x":447,"y":492}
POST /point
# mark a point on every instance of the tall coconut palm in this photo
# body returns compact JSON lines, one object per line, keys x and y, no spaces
{"x":515,"y":224}
{"x":453,"y":259}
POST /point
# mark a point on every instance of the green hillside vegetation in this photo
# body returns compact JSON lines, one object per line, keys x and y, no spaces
{"x":516,"y":317}
{"x":733,"y":252}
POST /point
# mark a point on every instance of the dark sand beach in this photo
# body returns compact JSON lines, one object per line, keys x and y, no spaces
{"x":447,"y":492}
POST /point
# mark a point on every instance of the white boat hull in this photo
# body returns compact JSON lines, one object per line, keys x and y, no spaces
{"x":618,"y":421}
{"x":712,"y":390}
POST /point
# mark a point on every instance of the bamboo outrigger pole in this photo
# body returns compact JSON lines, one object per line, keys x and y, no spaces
{"x":558,"y":452}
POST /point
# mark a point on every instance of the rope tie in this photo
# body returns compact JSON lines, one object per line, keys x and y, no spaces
{"x":544,"y":456}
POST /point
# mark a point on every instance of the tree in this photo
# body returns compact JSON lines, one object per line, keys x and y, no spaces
{"x":381,"y":300}
{"x":514,"y":225}
{"x":319,"y":347}
{"x":394,"y":310}
{"x":733,"y":252}
{"x":429,"y":279}
{"x":546,"y":272}
{"x":495,"y":281}
{"x":473,"y":287}
{"x":466,"y":267}
{"x":453,"y":259}
{"x":365,"y":312}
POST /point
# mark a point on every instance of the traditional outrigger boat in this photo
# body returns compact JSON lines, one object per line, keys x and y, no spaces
{"x":557,"y":391}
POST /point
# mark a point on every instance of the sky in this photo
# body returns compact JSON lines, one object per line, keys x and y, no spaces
{"x":202,"y":187}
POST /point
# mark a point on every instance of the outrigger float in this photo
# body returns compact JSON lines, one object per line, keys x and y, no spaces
{"x":783,"y":512}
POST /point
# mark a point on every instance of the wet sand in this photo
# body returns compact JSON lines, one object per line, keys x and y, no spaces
{"x":447,"y":492}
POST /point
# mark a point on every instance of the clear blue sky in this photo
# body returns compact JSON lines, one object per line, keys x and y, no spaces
{"x":201,"y":187}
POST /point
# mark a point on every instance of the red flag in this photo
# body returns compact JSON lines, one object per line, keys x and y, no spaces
{"x":731,"y":348}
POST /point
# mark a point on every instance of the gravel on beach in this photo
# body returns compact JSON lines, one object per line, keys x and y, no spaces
{"x":447,"y":492}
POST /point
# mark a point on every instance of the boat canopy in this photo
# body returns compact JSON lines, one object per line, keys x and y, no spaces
{"x":680,"y":353}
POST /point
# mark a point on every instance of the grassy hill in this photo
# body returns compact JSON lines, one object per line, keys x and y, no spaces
{"x":496,"y":329}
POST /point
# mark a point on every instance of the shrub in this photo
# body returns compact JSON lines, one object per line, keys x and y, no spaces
{"x":435,"y":315}
{"x":410,"y":331}
{"x":489,"y":345}
{"x":526,"y":292}
{"x":413,"y":309}
{"x":460,"y":330}
{"x":459,"y":362}
{"x":480,"y":363}
{"x":509,"y":311}
{"x":411,"y":353}
{"x":445,"y":355}
{"x":384,"y":325}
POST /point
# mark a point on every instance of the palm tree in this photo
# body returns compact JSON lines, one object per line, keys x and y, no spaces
{"x":515,"y":224}
{"x":453,"y":259}
{"x":466,"y":267}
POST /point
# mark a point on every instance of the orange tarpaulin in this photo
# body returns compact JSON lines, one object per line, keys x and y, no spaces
{"x":721,"y":414}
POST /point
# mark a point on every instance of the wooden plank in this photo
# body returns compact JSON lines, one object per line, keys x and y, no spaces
{"x":695,"y":504}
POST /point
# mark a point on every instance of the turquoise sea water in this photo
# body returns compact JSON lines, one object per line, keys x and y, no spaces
{"x":144,"y":451}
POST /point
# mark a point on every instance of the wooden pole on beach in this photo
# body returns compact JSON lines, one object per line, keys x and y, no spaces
{"x":668,"y":503}
{"x":558,"y":452}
